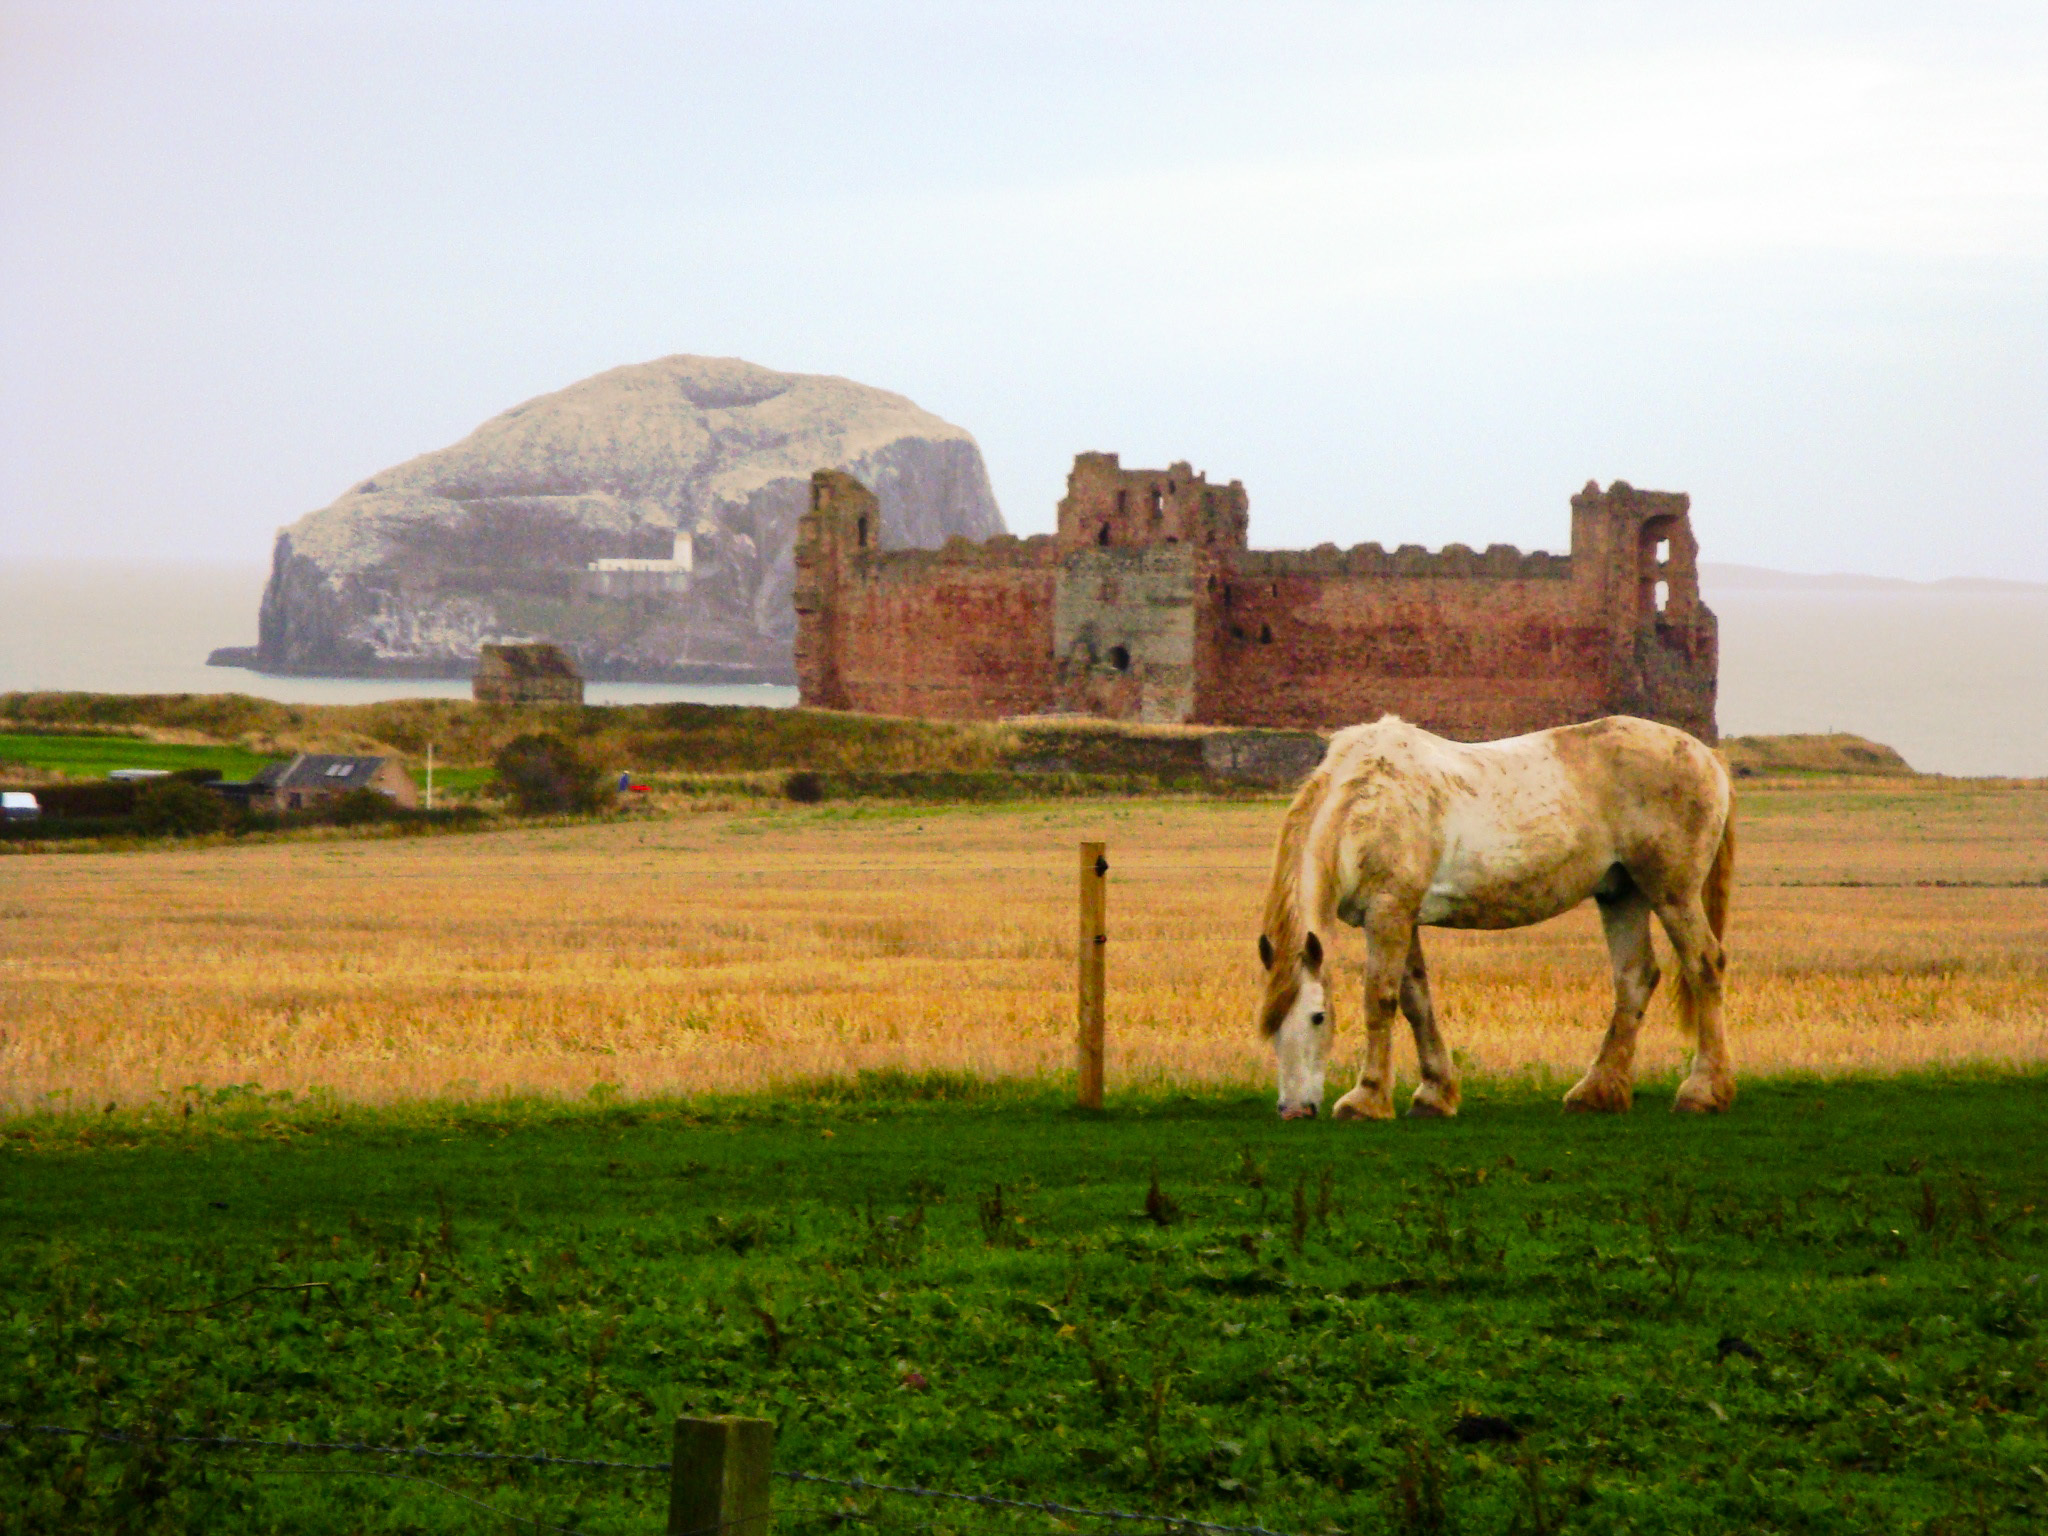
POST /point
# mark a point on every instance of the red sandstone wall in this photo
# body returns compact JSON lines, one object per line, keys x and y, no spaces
{"x":960,"y":641}
{"x":1467,"y":644}
{"x":1469,"y":657}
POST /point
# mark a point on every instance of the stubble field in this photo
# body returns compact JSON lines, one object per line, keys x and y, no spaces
{"x":1876,"y":929}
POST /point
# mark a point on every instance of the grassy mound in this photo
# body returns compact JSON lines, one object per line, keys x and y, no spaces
{"x":1838,"y":753}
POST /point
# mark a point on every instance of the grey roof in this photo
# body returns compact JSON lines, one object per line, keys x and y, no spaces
{"x":319,"y":770}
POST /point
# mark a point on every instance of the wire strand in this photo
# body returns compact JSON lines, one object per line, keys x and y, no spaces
{"x":990,"y":1501}
{"x":359,"y":1447}
{"x":542,"y":1458}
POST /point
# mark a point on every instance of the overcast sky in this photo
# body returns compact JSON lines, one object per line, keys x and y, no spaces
{"x":1413,"y":273}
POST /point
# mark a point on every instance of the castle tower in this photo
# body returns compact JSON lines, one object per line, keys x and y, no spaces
{"x":842,"y":527}
{"x":1636,"y":562}
{"x":1110,"y":507}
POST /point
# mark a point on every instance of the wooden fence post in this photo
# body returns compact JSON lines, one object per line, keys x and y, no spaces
{"x":1094,"y":943}
{"x":718,"y":1479}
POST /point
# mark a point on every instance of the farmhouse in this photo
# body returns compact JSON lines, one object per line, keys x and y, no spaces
{"x":312,"y":777}
{"x":1148,"y":604}
{"x":526,"y":674}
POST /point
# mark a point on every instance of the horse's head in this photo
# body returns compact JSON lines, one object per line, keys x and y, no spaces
{"x":1295,"y":1016}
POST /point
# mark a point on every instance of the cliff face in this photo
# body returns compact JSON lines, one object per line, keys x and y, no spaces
{"x":489,"y":540}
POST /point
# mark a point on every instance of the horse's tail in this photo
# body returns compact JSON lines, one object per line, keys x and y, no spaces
{"x":1721,"y":877}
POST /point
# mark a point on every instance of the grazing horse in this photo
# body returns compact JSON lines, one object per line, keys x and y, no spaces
{"x":1399,"y":830}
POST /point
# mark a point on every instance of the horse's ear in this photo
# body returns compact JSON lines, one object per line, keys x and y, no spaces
{"x":1312,"y":952}
{"x":1265,"y":952}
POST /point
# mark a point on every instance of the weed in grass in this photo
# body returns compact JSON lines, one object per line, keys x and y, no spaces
{"x":1417,"y":1503}
{"x":1161,"y":1209}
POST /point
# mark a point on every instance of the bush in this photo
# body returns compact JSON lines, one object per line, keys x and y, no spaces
{"x":543,"y":775}
{"x":101,"y":797}
{"x":357,"y":808}
{"x":173,"y":808}
{"x":804,"y":787}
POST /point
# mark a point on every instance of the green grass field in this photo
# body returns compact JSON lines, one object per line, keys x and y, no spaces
{"x":95,"y":756}
{"x":1819,"y":1314}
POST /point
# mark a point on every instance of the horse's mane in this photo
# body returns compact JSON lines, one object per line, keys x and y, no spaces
{"x":1284,"y":924}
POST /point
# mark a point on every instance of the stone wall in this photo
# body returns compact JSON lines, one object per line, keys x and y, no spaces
{"x":1467,"y":656}
{"x":1123,"y":633}
{"x":960,"y":632}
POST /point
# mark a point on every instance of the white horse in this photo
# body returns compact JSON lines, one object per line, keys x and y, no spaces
{"x":1399,"y":830}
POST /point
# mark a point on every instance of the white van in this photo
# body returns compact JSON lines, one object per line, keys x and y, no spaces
{"x":19,"y":805}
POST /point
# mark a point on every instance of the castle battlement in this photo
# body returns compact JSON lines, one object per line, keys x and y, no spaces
{"x":1452,"y":562}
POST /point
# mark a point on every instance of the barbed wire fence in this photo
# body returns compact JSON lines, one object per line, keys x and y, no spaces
{"x":787,"y":1519}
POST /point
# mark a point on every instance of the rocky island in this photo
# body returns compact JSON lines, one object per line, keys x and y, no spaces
{"x":643,"y":520}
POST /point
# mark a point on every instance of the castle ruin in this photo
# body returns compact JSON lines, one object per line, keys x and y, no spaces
{"x":1148,"y":605}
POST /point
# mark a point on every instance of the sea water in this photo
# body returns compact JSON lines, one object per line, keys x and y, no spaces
{"x":118,"y":628}
{"x":1957,"y":681}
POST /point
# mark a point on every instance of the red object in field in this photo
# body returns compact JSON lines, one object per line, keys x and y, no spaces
{"x":637,"y":789}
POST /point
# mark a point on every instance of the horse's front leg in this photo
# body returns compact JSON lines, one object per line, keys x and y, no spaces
{"x":1437,"y":1094}
{"x":1387,"y":937}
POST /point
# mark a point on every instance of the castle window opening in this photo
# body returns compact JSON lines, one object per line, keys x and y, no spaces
{"x":1123,"y":503}
{"x":1265,"y":634}
{"x":861,"y":532}
{"x":1663,"y":595}
{"x":1158,"y":503}
{"x":1102,"y":535}
{"x":1120,"y":658}
{"x":1663,"y":551}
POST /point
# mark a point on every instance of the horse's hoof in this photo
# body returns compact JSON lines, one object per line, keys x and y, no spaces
{"x":1418,"y":1110}
{"x":1595,"y":1096}
{"x":1715,"y":1099}
{"x":1597,"y":1104}
{"x":1356,"y":1106}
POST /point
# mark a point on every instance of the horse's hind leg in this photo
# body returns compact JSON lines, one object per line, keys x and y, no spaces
{"x":1610,"y":1083}
{"x":1437,"y":1094}
{"x":1710,"y":1087}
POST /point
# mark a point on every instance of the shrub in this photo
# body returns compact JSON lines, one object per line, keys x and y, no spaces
{"x":358,"y":808}
{"x":173,"y":808}
{"x":542,"y":774}
{"x":101,"y":797}
{"x":804,"y":787}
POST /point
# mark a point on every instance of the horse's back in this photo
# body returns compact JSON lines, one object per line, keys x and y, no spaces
{"x":1644,"y":774}
{"x":1503,"y":833}
{"x":1662,"y":795}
